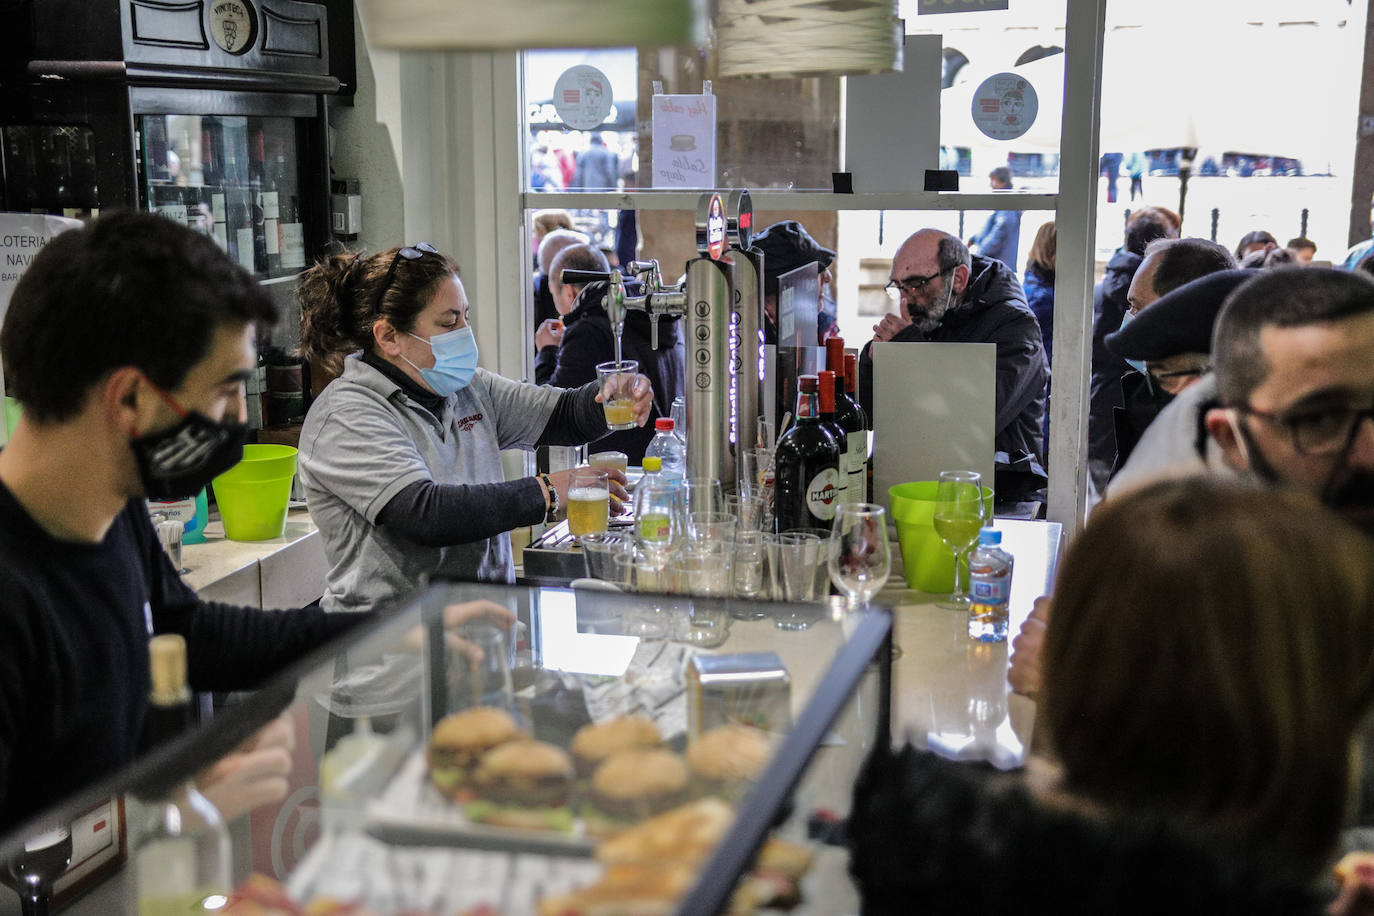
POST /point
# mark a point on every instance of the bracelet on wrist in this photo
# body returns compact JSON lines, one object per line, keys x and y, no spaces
{"x":551,"y":512}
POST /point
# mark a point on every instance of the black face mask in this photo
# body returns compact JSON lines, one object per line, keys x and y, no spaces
{"x":177,"y":462}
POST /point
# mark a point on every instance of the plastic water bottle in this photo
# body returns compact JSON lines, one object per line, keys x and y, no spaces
{"x":659,"y":504}
{"x":679,"y":414}
{"x":669,"y":448}
{"x":989,"y":570}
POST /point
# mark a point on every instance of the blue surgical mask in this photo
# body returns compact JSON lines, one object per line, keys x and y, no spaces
{"x":1137,"y":364}
{"x":455,"y":360}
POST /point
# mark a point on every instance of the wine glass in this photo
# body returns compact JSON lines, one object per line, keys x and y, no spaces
{"x":860,"y":559}
{"x":960,"y":512}
{"x":31,"y":871}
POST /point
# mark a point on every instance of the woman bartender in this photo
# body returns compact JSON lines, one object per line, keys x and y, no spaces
{"x":400,"y":455}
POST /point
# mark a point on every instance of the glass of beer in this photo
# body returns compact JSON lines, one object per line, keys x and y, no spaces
{"x":589,"y":500}
{"x":618,"y":460}
{"x":617,"y":392}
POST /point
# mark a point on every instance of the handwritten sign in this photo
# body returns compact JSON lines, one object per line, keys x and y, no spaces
{"x":684,"y":141}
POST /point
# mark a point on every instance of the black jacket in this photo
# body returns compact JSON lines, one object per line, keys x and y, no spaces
{"x":1104,"y":391}
{"x":587,"y":341}
{"x":993,"y":310}
{"x":931,"y":836}
{"x":1140,"y":404}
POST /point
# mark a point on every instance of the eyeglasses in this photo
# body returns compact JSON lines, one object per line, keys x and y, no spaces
{"x":1317,"y":431}
{"x":1173,"y":382}
{"x":410,"y":253}
{"x":913,"y":285}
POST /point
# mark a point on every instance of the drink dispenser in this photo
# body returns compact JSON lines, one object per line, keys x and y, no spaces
{"x":721,"y":304}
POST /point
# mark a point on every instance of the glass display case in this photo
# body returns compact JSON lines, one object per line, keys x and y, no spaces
{"x":493,"y":749}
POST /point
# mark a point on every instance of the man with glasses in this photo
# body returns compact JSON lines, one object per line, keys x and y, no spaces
{"x":947,"y":295}
{"x":1169,"y":346}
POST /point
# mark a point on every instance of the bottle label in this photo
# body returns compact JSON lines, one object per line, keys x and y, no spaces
{"x":858,"y":466}
{"x":655,"y":528}
{"x":992,"y":590}
{"x":176,"y":510}
{"x":823,"y":493}
{"x":292,"y":246}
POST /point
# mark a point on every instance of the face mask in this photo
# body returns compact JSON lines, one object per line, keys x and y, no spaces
{"x":179,"y":461}
{"x":455,"y":361}
{"x":1137,"y":364}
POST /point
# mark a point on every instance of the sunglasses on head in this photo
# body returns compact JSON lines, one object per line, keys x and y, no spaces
{"x":410,"y":253}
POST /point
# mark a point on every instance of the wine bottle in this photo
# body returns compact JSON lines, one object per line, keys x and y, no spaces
{"x":826,"y":396}
{"x":806,"y":466}
{"x":862,"y":469}
{"x":181,"y":851}
{"x":850,"y":417}
{"x":170,"y":710}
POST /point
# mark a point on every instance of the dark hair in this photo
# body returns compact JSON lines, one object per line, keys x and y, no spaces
{"x":1002,"y":173}
{"x":1228,"y":701}
{"x":576,"y":257}
{"x":1182,"y":261}
{"x":129,"y":289}
{"x":1365,"y":264}
{"x":1301,"y":243}
{"x":337,"y":298}
{"x":951,"y":252}
{"x":1284,"y":297}
{"x":1146,"y":225}
{"x":1254,"y":237}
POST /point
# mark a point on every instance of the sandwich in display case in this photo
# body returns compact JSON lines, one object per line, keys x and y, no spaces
{"x":528,"y":750}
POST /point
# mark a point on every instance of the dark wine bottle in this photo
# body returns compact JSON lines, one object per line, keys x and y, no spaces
{"x":170,"y":710}
{"x":806,"y":466}
{"x":852,"y":421}
{"x":826,"y":395}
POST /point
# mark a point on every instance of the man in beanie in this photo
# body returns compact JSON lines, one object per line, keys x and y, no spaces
{"x":786,"y":246}
{"x":1172,"y":339}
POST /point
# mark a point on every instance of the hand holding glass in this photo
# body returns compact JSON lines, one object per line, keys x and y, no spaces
{"x":618,"y":392}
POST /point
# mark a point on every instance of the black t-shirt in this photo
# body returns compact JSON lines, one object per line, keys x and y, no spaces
{"x":74,"y":626}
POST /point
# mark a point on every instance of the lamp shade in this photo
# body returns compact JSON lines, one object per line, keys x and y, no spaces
{"x":449,"y":25}
{"x":808,"y":37}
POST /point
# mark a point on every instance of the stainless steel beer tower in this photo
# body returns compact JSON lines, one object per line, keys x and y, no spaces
{"x":722,"y":306}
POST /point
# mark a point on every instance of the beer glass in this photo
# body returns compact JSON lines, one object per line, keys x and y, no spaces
{"x":618,"y":460}
{"x":617,"y":392}
{"x":589,"y":500}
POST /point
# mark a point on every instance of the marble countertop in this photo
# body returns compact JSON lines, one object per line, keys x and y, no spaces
{"x":218,"y":557}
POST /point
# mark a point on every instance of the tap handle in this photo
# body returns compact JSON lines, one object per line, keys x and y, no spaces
{"x":653,"y":331}
{"x":578,"y":277}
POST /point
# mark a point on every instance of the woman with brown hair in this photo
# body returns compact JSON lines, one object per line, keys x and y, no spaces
{"x":1211,"y":658}
{"x":400,"y":455}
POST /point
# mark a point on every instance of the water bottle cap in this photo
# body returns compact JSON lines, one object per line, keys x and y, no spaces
{"x":989,"y":536}
{"x":652,"y":463}
{"x":664,"y":424}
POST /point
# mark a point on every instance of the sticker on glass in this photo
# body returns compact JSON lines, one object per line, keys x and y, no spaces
{"x":1004,"y":106}
{"x":582,"y":97}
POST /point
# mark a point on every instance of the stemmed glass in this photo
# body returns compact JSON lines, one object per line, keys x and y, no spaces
{"x":960,"y":511}
{"x":860,"y":559}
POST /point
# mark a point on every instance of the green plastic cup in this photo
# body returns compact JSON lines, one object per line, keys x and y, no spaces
{"x":12,"y":412}
{"x":253,"y":495}
{"x":926,"y":562}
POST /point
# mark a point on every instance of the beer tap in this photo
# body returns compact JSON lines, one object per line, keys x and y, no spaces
{"x":656,"y":300}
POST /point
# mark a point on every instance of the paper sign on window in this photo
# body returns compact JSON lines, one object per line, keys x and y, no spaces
{"x":684,"y":141}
